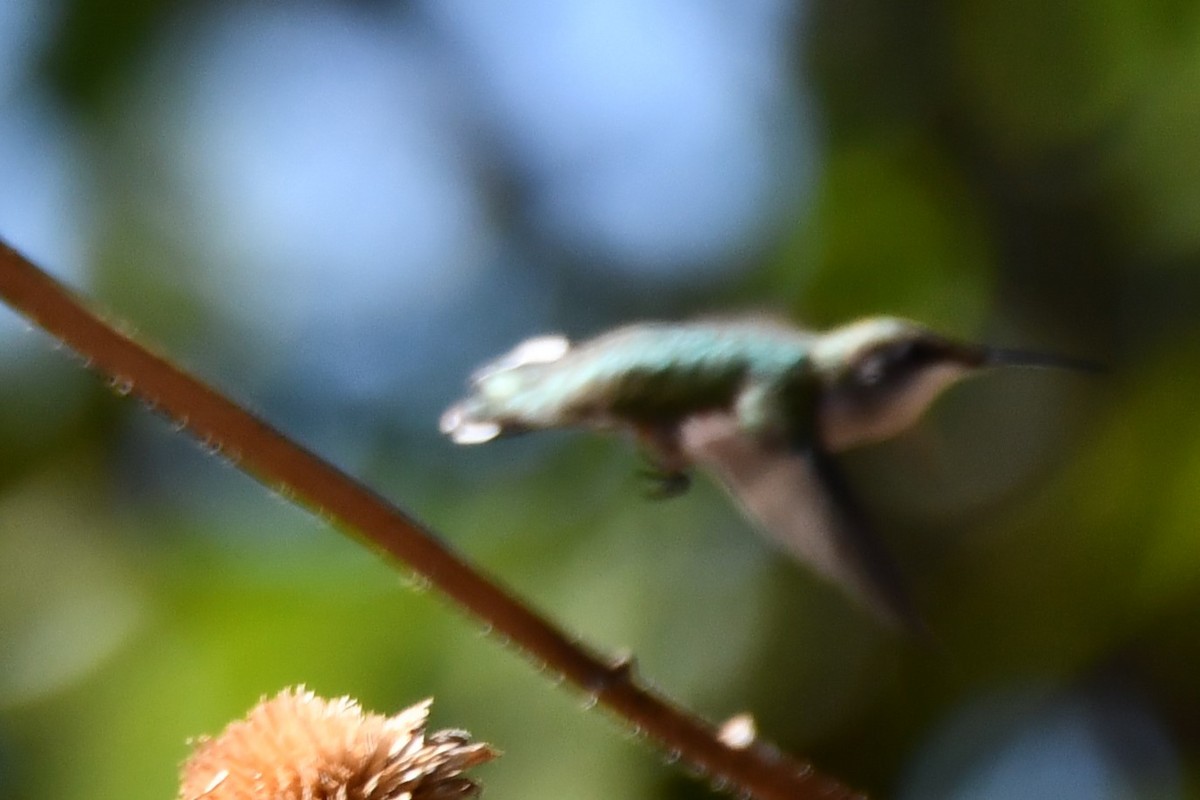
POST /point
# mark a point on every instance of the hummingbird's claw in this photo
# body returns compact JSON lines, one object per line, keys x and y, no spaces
{"x":663,"y":484}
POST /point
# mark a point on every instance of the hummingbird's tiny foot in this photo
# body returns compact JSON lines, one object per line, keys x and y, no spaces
{"x":663,"y":484}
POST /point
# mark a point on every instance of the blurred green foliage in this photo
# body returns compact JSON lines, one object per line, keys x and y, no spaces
{"x":1021,"y":172}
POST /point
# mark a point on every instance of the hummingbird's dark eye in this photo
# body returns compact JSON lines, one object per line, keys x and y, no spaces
{"x":887,"y":363}
{"x":873,"y":369}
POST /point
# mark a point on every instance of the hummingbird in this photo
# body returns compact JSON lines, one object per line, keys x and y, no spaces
{"x":763,"y":406}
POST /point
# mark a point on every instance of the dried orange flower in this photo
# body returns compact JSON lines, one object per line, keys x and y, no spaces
{"x":298,"y":746}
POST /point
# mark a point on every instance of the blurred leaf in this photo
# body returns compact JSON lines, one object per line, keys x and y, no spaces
{"x":70,"y":597}
{"x":1042,"y":75}
{"x":896,"y":231}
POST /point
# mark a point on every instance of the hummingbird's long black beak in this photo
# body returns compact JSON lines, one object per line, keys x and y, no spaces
{"x":1004,"y":357}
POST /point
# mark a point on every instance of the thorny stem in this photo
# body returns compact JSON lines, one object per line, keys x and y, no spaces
{"x":758,"y":770}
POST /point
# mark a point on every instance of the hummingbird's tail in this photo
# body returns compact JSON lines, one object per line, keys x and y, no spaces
{"x":494,"y":408}
{"x":465,"y":423}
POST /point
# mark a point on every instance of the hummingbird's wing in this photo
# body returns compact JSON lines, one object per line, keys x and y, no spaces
{"x":801,"y":500}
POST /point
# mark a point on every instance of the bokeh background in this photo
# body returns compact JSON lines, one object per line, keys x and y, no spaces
{"x":335,"y":210}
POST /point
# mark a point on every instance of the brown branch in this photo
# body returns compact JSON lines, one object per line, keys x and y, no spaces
{"x":756,"y":770}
